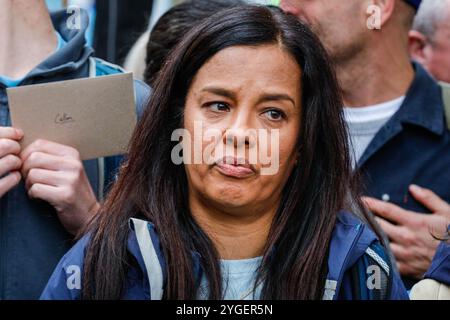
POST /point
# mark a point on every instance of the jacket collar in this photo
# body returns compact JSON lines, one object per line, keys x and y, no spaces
{"x":74,"y":54}
{"x":135,"y":251}
{"x":422,"y":107}
{"x":350,"y":240}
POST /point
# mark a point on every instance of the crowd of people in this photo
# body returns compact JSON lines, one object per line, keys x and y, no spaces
{"x":351,"y":96}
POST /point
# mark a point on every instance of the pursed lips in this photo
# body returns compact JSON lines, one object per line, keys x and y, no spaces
{"x":235,"y":168}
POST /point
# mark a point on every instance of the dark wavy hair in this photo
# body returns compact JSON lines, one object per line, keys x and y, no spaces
{"x":150,"y":186}
{"x":173,"y":26}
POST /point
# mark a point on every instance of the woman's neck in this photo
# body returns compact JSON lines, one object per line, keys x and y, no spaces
{"x":235,"y":235}
{"x":27,"y":36}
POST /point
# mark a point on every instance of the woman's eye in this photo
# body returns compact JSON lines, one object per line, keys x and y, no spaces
{"x":218,"y":107}
{"x":274,"y":115}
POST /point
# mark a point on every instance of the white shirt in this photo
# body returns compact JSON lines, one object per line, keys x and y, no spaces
{"x":364,"y":123}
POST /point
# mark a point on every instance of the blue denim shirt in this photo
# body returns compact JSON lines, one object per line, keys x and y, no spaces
{"x":32,"y":240}
{"x":412,"y":148}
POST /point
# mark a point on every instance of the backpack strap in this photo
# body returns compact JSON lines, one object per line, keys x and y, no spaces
{"x":151,"y":261}
{"x":372,"y":275}
{"x":446,"y":99}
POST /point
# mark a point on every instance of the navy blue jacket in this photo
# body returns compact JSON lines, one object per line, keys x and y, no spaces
{"x":440,"y":266}
{"x":354,"y":249}
{"x":412,"y":148}
{"x":32,"y":240}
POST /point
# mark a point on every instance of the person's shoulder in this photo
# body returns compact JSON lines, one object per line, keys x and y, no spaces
{"x":361,"y":240}
{"x":77,"y":252}
{"x":357,"y":251}
{"x":350,"y":227}
{"x":66,"y":280}
{"x":349,"y":219}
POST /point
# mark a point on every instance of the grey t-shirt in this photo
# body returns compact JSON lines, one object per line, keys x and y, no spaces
{"x":238,"y":280}
{"x":363,"y":124}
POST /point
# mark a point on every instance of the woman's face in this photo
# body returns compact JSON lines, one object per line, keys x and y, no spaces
{"x":244,"y":101}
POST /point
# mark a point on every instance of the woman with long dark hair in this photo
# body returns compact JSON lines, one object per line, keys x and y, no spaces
{"x":227,"y":227}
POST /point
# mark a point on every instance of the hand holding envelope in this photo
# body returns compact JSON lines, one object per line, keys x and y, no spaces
{"x":64,"y":123}
{"x":54,"y":173}
{"x":10,"y":161}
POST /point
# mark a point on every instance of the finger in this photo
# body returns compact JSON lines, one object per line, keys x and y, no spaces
{"x":47,"y":177}
{"x":400,"y":253}
{"x":437,"y":225}
{"x":11,"y":133}
{"x":8,"y":146}
{"x":44,"y":192}
{"x":8,"y":182}
{"x":40,"y":160}
{"x":9,"y":163}
{"x":49,"y":147}
{"x":392,"y":231}
{"x":404,"y":268}
{"x":387,"y":210}
{"x":429,"y":199}
{"x":410,"y":269}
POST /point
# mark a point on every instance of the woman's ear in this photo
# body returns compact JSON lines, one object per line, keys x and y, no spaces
{"x":417,"y":43}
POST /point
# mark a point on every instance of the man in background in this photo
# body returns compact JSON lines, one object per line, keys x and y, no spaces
{"x":429,"y":39}
{"x":47,"y":194}
{"x":395,"y":115}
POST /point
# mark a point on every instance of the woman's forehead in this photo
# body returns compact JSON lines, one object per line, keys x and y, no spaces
{"x":266,"y":57}
{"x":238,"y":67}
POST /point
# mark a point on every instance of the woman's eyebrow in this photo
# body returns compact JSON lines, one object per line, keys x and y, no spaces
{"x":221,"y":92}
{"x":264,"y":98}
{"x":276,"y":97}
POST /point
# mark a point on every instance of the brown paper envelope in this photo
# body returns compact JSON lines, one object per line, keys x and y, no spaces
{"x":94,"y":115}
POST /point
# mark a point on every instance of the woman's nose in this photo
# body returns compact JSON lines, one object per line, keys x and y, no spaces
{"x":241,"y":130}
{"x":240,"y":137}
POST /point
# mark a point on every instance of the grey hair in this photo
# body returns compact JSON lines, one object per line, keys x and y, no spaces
{"x":431,"y":13}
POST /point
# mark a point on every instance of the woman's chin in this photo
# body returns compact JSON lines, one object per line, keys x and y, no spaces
{"x":230,"y":195}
